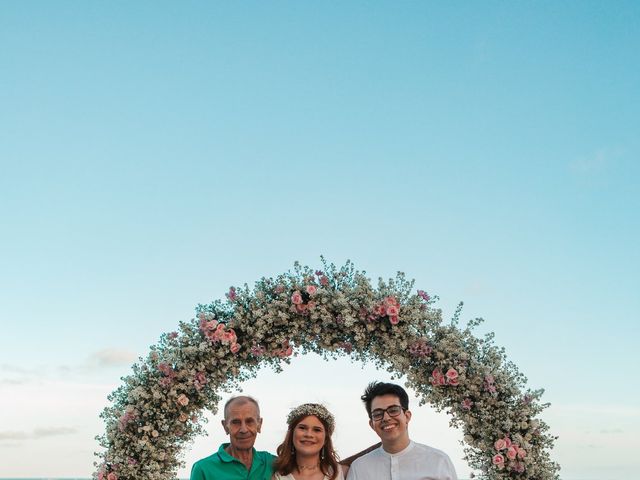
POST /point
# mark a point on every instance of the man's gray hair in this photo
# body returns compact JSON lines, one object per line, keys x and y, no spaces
{"x":241,"y":399}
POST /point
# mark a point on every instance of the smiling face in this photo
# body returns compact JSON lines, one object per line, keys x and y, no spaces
{"x":242,"y":423}
{"x":309,"y":436}
{"x":393,"y":431}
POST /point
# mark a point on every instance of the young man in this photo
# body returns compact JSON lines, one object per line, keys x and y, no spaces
{"x":398,"y":458}
{"x":237,"y":460}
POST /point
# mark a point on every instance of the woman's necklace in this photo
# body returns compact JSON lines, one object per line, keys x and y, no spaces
{"x":301,"y":468}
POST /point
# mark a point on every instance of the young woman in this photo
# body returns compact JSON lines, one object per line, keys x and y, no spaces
{"x":307,"y":452}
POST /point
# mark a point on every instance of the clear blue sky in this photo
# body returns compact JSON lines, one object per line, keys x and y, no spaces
{"x":154,"y":153}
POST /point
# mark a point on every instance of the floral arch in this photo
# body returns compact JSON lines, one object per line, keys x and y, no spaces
{"x":334,"y":312}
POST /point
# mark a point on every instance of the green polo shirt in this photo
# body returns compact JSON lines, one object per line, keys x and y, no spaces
{"x":222,"y":466}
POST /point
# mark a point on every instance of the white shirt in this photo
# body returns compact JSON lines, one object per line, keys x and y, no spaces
{"x":416,"y":462}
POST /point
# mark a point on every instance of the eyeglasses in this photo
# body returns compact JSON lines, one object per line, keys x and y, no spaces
{"x":393,"y":411}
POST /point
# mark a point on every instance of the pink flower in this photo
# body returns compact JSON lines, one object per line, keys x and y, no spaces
{"x":512,"y":453}
{"x":394,"y":319}
{"x":437,"y":378}
{"x":500,"y":444}
{"x":296,"y":298}
{"x":324,"y":280}
{"x":498,"y":460}
{"x":420,"y":348}
{"x":380,"y":310}
{"x":393,"y":310}
{"x":521,"y":452}
{"x":183,"y":417}
{"x":235,"y":347}
{"x":391,"y":301}
{"x":451,"y":374}
{"x":112,"y":476}
{"x":454,"y":382}
{"x":311,"y":289}
{"x":311,"y":305}
{"x":422,"y":294}
{"x":467,"y":403}
{"x":232,"y":294}
{"x":199,"y":380}
{"x":182,"y":400}
{"x":507,"y":441}
{"x":258,"y":350}
{"x":173,"y":335}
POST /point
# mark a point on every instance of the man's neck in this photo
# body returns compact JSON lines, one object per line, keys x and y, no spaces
{"x":245,"y":456}
{"x":397,"y":446}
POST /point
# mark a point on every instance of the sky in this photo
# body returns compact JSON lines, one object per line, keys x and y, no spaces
{"x":152,"y":154}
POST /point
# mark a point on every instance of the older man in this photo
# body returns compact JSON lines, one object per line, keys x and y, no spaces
{"x":237,"y":460}
{"x":399,"y":457}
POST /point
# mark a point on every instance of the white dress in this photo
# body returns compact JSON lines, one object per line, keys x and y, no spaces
{"x":277,"y":476}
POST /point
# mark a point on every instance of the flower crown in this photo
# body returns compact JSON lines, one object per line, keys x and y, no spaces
{"x":316,"y":409}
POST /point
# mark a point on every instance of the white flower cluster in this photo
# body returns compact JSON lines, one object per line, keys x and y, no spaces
{"x":333,"y":312}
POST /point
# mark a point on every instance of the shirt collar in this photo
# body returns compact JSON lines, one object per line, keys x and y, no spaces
{"x":404,"y":451}
{"x":225,"y":457}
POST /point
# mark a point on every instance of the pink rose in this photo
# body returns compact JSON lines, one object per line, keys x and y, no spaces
{"x":393,"y":310}
{"x":231,"y":335}
{"x":183,"y":417}
{"x":507,"y":441}
{"x":451,"y":374}
{"x":500,"y":444}
{"x":235,"y":347}
{"x":311,"y":289}
{"x":379,"y":310}
{"x":394,"y":319}
{"x":522,"y":452}
{"x":498,"y":460}
{"x":311,"y":304}
{"x":183,"y":400}
{"x":454,"y":382}
{"x":512,"y":453}
{"x":324,"y":281}
{"x":296,"y":298}
{"x":389,"y":301}
{"x":112,"y":476}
